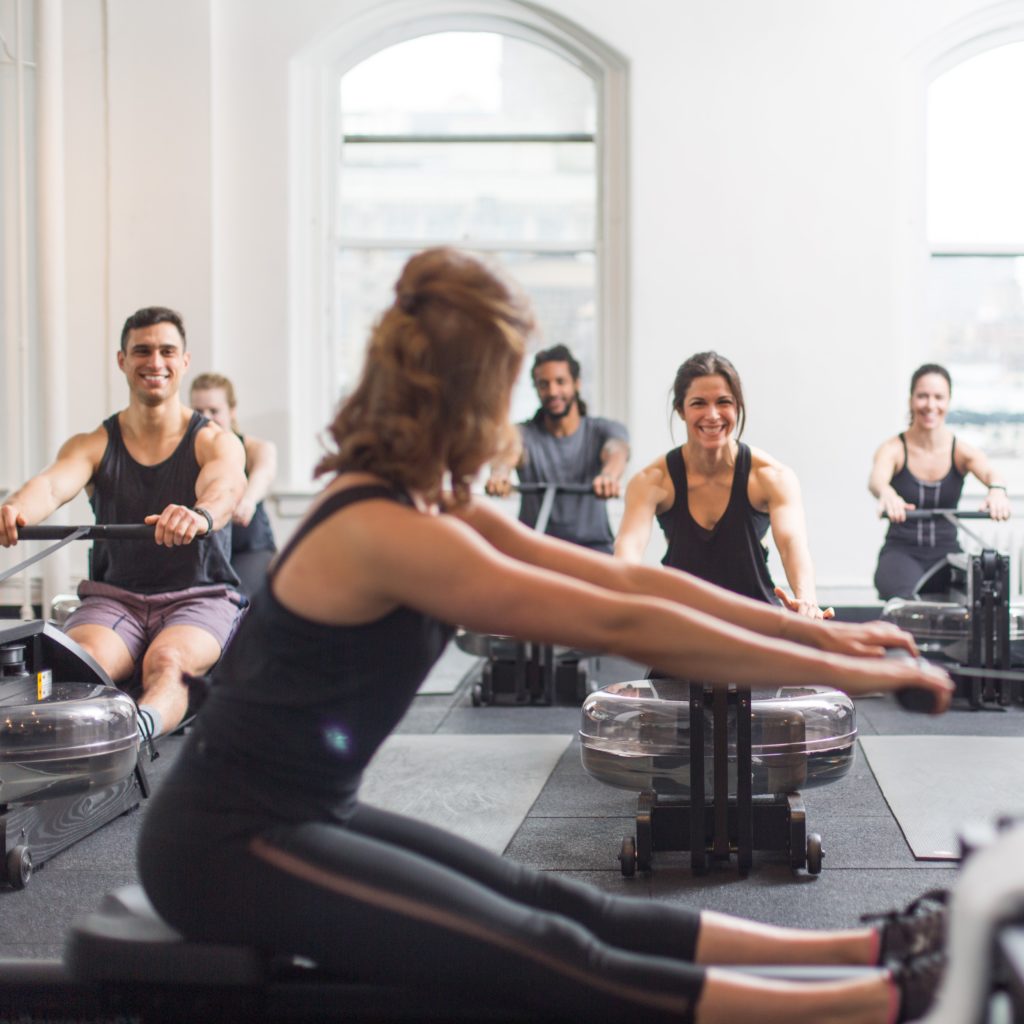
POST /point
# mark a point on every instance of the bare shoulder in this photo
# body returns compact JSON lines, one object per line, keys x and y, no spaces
{"x":968,"y":457}
{"x":968,"y":451}
{"x":88,"y":445}
{"x":771,"y":482}
{"x":767,"y":467}
{"x":377,"y":535}
{"x":891,"y":448}
{"x":214,"y":442}
{"x":652,"y":483}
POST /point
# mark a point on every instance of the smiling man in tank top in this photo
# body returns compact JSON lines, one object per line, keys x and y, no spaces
{"x":169,"y":604}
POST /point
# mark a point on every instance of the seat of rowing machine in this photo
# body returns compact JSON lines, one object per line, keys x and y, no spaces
{"x":125,"y":940}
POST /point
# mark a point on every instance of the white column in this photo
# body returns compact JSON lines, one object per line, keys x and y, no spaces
{"x":53,"y":397}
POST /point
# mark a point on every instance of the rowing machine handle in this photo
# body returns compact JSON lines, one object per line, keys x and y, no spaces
{"x":914,"y":698}
{"x":100,"y":531}
{"x":539,"y":488}
{"x":934,"y":513}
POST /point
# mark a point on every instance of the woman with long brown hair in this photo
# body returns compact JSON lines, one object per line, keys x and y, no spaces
{"x":258,"y":837}
{"x":715,"y":497}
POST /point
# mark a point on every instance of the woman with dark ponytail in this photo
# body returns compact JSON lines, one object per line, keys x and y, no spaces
{"x":924,"y":467}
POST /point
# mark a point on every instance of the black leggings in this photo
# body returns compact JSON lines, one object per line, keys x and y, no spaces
{"x":900,"y":568}
{"x":386,"y":899}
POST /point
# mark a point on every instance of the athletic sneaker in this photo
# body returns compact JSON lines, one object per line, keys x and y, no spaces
{"x":918,"y":980}
{"x":915,"y":931}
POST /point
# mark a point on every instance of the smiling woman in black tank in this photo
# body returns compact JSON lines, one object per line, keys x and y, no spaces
{"x":257,"y":835}
{"x":732,"y":553}
{"x":924,"y":467}
{"x":739,"y":491}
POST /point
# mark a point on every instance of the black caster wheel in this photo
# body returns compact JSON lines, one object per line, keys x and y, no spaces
{"x":627,"y":857}
{"x":814,"y":853}
{"x":19,"y":867}
{"x":645,"y":831}
{"x":476,"y":695}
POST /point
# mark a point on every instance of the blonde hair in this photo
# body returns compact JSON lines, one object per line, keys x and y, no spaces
{"x":433,"y":396}
{"x":210,"y":381}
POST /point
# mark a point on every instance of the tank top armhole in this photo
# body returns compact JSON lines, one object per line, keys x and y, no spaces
{"x":676,"y":466}
{"x":741,"y":478}
{"x":324,"y":511}
{"x":952,"y":460}
{"x":906,"y":454}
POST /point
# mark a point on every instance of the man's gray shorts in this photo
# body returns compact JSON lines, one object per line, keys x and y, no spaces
{"x":138,"y":618}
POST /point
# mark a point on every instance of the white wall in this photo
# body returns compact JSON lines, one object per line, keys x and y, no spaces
{"x":775,"y":207}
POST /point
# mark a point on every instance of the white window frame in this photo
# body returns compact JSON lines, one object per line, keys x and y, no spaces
{"x":959,"y":41}
{"x":315,"y":76}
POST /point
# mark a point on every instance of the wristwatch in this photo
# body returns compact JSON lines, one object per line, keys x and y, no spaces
{"x":200,"y":511}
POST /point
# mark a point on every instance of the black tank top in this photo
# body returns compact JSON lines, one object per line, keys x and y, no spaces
{"x":300,"y":707}
{"x":944,"y":493}
{"x":125,"y":491}
{"x":732,"y":553}
{"x":258,"y":535}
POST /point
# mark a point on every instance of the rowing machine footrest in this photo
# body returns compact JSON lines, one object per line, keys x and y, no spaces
{"x":125,"y":940}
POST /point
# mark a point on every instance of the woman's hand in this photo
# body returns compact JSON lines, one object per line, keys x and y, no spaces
{"x":892,"y":507}
{"x":864,"y":639}
{"x":901,"y":673}
{"x":806,"y":608}
{"x":997,"y":504}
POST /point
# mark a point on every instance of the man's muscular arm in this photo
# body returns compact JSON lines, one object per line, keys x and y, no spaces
{"x":56,"y":485}
{"x":219,"y":486}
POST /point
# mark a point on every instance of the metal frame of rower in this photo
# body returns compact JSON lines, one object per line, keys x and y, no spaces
{"x":988,"y":595}
{"x":534,"y":674}
{"x":713,"y":830}
{"x":34,"y":830}
{"x":982,"y":582}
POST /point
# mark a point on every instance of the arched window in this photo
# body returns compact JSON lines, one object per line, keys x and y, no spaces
{"x":474,"y":139}
{"x":975,"y":223}
{"x":486,"y":124}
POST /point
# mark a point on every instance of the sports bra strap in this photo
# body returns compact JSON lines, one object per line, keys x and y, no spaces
{"x":327,"y":508}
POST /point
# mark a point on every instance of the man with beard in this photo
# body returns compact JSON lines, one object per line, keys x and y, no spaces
{"x":562,"y":444}
{"x":168,"y":604}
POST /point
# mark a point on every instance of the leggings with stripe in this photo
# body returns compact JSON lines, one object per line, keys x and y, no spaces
{"x":388,"y":900}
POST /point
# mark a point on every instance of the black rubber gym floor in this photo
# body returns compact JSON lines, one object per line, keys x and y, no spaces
{"x":576,"y":826}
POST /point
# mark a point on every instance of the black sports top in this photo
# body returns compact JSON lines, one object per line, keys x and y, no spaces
{"x":126,"y":491}
{"x":300,"y":707}
{"x":258,"y":535}
{"x":732,"y":553}
{"x":944,"y":493}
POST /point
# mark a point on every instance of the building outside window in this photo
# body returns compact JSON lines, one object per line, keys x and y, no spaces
{"x":475,"y":139}
{"x":976,"y":239}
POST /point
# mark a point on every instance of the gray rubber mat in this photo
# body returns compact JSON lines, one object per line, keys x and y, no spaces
{"x":447,"y":674}
{"x":936,"y":784}
{"x":479,"y":787}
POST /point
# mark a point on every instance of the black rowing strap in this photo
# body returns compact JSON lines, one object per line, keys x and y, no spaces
{"x":81,"y":531}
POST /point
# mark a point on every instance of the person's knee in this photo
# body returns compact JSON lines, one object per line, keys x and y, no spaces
{"x":180,"y":651}
{"x":105,"y":647}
